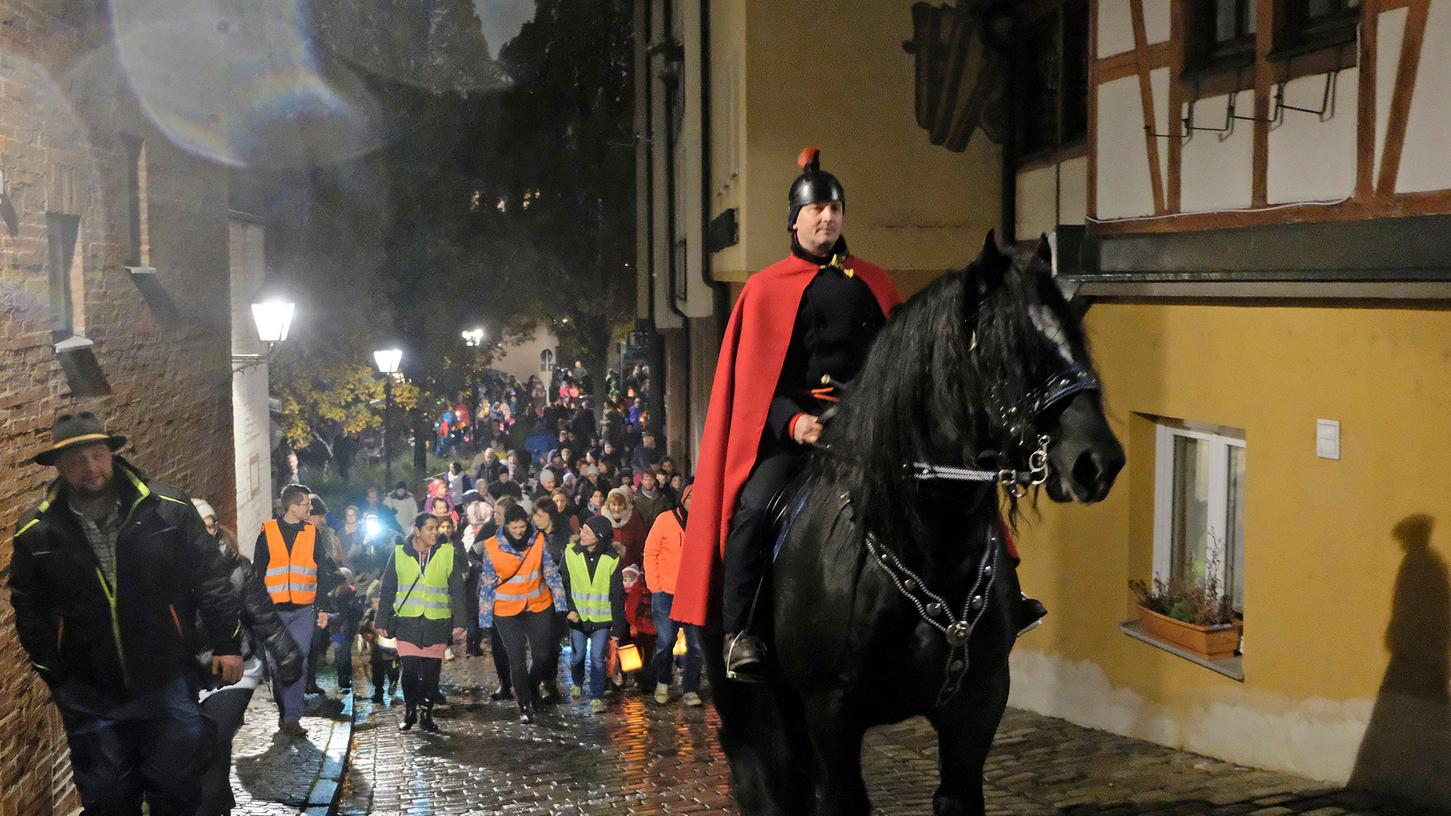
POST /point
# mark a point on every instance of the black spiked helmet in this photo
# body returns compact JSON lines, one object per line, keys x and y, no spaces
{"x":813,"y":186}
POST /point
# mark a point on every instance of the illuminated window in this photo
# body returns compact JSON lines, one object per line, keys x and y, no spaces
{"x":1199,"y":497}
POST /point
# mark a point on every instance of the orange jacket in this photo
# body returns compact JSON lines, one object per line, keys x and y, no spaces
{"x":662,"y":552}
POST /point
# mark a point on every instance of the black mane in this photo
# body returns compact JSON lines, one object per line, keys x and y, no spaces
{"x":937,"y":381}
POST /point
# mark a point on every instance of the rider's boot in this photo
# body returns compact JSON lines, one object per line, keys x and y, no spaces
{"x":745,"y":657}
{"x":1031,"y":612}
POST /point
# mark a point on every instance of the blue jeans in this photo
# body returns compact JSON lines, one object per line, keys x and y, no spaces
{"x":665,"y":628}
{"x":300,"y":623}
{"x":155,"y":743}
{"x":599,"y":654}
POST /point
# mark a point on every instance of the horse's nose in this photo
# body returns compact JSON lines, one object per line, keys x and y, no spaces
{"x":1096,"y":470}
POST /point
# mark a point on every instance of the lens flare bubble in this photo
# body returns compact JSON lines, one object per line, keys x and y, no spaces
{"x":241,"y":84}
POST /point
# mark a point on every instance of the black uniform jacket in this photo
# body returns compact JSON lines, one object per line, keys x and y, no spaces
{"x":138,"y":634}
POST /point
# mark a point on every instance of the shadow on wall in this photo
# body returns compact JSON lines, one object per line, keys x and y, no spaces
{"x":1407,"y":745}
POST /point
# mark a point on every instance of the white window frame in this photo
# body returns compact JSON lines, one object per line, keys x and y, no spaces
{"x":1219,"y":445}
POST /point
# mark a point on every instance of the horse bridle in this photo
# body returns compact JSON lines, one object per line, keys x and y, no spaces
{"x":1019,"y":419}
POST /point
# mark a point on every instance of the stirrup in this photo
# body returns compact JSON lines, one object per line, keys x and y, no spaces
{"x":743,"y":677}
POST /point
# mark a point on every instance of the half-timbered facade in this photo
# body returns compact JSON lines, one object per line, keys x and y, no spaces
{"x":1260,"y":206}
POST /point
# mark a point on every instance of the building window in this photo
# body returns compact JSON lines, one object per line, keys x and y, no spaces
{"x":1052,"y":81}
{"x":61,"y":234}
{"x":1221,"y":34}
{"x":1307,"y":25}
{"x":139,"y":251}
{"x":1199,"y":494}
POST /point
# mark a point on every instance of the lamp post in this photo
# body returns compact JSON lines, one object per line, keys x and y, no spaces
{"x":387,"y":360}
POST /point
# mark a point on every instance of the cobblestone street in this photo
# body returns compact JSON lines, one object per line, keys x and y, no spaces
{"x":640,"y":758}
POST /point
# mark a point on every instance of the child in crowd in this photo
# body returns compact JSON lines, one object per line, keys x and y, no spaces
{"x":382,"y":660}
{"x":596,"y":600}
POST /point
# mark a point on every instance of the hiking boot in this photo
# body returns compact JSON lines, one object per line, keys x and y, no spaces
{"x":410,"y":717}
{"x":426,"y":720}
{"x":596,"y":705}
{"x":1031,"y":612}
{"x":662,"y":693}
{"x":576,"y":693}
{"x":293,"y":728}
{"x":692,"y":699}
{"x":526,"y":714}
{"x":502,"y":693}
{"x":378,"y":696}
{"x":745,"y":658}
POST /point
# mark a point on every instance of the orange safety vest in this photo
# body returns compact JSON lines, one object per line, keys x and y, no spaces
{"x":522,"y":584}
{"x":291,"y":577}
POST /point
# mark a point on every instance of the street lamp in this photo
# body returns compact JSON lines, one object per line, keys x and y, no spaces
{"x":387,"y":360}
{"x":473,"y":338}
{"x":273,"y":318}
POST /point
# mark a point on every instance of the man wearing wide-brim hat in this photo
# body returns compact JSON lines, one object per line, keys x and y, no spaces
{"x":109,"y":574}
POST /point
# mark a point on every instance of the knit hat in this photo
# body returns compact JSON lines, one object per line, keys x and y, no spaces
{"x":632,"y":569}
{"x":602,"y":528}
{"x":203,"y":509}
{"x":685,"y":494}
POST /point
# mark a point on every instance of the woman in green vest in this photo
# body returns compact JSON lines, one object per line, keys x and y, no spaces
{"x":423,"y":607}
{"x":595,"y":592}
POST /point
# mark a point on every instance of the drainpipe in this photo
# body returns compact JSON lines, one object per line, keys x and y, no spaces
{"x":720,"y":291}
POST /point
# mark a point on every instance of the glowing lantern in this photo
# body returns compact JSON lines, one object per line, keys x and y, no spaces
{"x":629,"y":658}
{"x":680,"y":647}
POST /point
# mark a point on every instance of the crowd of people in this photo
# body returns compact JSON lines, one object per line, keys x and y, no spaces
{"x":527,"y":552}
{"x":567,"y":542}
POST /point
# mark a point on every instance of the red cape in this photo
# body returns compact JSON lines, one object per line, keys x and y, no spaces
{"x":751,"y":355}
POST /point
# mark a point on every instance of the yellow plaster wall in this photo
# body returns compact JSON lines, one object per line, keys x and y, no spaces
{"x":1322,"y":560}
{"x":840,"y":80}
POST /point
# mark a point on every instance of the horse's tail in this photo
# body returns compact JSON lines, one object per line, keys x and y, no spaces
{"x":763,"y":734}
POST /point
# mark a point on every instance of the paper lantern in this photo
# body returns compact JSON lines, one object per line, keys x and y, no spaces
{"x":630,"y":658}
{"x":680,"y":647}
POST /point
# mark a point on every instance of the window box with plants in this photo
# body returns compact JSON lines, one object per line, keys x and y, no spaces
{"x":1195,"y":617}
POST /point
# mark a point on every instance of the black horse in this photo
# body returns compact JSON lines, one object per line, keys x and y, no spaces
{"x":893,"y":591}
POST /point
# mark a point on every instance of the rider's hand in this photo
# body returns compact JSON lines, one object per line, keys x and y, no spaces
{"x":228,"y":667}
{"x":806,"y":430}
{"x":573,"y":617}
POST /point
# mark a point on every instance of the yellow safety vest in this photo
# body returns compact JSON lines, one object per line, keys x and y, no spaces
{"x":429,"y":596}
{"x":291,"y":577}
{"x":591,"y":595}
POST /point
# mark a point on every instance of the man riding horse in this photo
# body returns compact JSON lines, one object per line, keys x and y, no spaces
{"x":799,"y":332}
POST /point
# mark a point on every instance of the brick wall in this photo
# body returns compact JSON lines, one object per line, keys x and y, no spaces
{"x":163,"y":346}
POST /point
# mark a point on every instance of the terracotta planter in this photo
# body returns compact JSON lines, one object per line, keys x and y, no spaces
{"x":1208,"y":642}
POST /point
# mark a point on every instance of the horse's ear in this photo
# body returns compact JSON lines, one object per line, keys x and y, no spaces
{"x":990,"y":249}
{"x":1044,"y":250}
{"x":991,"y":264}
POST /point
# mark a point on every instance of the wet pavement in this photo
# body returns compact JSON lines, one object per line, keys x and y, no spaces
{"x":641,"y":758}
{"x":277,"y":775}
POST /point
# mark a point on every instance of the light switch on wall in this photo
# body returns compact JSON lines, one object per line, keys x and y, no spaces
{"x":1327,"y":438}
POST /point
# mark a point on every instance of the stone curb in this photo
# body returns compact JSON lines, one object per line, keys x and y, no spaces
{"x":322,"y":799}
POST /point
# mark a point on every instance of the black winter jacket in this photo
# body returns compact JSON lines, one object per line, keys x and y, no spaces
{"x":139,"y":634}
{"x":263,"y":630}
